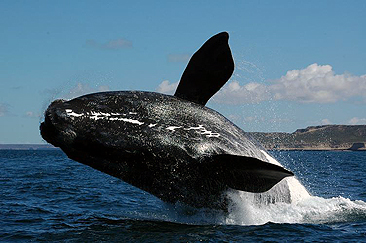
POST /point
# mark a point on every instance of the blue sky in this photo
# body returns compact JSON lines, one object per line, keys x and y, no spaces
{"x":298,"y":63}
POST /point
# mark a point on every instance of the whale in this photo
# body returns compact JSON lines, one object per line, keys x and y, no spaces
{"x":171,"y":146}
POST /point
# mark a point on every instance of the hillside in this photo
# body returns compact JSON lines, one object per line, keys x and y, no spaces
{"x":328,"y":137}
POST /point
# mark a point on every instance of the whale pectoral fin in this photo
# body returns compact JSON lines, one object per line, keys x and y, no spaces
{"x":207,"y":70}
{"x":247,"y":173}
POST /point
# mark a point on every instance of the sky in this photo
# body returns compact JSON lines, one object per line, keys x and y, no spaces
{"x":297,"y":63}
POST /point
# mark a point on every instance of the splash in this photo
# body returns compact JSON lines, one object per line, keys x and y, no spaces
{"x":315,"y":210}
{"x":287,"y":202}
{"x":290,"y":202}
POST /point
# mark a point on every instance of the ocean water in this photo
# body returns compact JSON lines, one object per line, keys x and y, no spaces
{"x":44,"y":196}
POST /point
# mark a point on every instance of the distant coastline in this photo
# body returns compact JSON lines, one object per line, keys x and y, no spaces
{"x":27,"y":147}
{"x":327,"y":137}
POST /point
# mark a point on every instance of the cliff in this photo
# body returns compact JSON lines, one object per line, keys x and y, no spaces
{"x":328,"y":137}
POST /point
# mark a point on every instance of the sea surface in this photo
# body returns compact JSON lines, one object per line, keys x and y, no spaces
{"x":44,"y":196}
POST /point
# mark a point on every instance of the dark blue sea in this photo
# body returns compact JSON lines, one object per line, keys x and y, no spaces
{"x":44,"y":196}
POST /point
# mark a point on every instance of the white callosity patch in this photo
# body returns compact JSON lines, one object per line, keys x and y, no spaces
{"x":172,"y":128}
{"x":203,"y":131}
{"x":127,"y":120}
{"x":98,"y":115}
{"x":200,"y":129}
{"x":103,"y":116}
{"x":73,"y":114}
{"x":122,"y":117}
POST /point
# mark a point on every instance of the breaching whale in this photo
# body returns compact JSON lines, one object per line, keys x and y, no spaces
{"x":173,"y":147}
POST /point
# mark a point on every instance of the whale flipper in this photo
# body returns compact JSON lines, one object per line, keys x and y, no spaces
{"x":247,"y":173}
{"x":207,"y":70}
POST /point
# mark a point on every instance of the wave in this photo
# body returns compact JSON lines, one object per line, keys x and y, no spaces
{"x":287,"y":202}
{"x":290,"y":202}
{"x":245,"y":210}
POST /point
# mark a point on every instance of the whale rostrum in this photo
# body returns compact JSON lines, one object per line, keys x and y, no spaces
{"x":173,"y":147}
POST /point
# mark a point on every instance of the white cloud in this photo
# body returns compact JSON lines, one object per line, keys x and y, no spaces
{"x":318,"y":84}
{"x":166,"y":87}
{"x":232,"y":93}
{"x":314,"y":84}
{"x":110,"y":45}
{"x":357,"y":121}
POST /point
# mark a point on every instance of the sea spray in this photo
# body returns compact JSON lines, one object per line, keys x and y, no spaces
{"x":313,"y":210}
{"x":290,"y":202}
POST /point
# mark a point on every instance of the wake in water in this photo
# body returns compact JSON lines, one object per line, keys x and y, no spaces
{"x":287,"y":202}
{"x":249,"y":209}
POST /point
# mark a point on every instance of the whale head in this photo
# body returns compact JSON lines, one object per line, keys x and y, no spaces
{"x":57,"y":127}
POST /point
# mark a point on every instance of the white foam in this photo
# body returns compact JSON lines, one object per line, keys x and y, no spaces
{"x":309,"y":210}
{"x":273,"y":206}
{"x":297,"y":191}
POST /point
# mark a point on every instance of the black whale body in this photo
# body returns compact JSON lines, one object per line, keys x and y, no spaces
{"x":170,"y":146}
